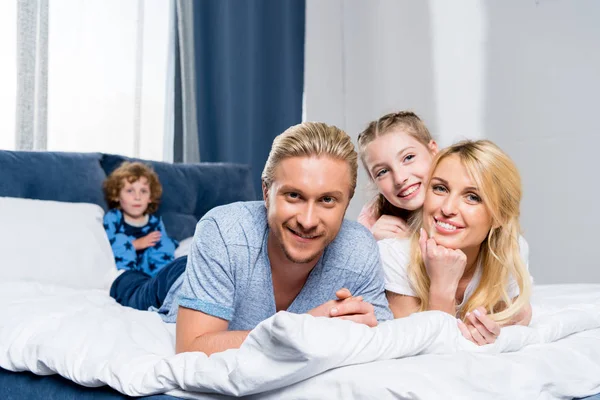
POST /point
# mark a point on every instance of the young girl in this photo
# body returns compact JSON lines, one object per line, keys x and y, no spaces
{"x":397,"y":151}
{"x":137,"y":236}
{"x":465,"y":259}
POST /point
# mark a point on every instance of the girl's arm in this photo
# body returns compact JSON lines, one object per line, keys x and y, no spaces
{"x":402,"y":305}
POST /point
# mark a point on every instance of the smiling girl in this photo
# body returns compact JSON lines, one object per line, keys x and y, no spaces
{"x":397,"y":151}
{"x":467,"y":256}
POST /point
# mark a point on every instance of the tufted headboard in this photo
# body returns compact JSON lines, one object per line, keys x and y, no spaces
{"x":189,"y":190}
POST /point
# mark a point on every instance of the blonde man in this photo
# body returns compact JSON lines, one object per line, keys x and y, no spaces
{"x":292,"y":251}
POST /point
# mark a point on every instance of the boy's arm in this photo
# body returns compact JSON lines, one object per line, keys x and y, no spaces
{"x":163,"y":251}
{"x":121,"y":244}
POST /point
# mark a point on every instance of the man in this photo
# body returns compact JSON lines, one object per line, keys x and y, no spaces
{"x":293,"y":251}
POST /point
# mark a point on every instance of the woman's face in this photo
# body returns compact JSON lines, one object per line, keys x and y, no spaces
{"x":399,"y":165}
{"x":453,"y":211}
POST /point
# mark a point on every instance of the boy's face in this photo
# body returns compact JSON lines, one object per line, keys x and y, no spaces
{"x":134,"y":198}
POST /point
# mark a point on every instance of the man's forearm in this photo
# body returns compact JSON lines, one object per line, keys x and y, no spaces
{"x":216,"y":342}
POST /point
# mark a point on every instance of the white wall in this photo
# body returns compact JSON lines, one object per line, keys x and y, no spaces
{"x":525,"y":74}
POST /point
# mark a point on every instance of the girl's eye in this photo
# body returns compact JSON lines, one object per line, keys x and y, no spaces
{"x":472,"y":197}
{"x":380,"y":173}
{"x":439,"y":189}
{"x":409,"y":157}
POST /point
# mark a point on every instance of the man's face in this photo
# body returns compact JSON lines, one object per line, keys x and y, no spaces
{"x":306,"y":204}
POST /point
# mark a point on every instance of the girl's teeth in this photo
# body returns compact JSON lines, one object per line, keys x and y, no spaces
{"x":445,"y":225}
{"x":409,"y":190}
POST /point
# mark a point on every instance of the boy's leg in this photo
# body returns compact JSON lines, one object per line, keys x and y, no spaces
{"x":141,"y":291}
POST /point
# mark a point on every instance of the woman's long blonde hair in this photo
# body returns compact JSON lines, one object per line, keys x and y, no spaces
{"x":499,"y":183}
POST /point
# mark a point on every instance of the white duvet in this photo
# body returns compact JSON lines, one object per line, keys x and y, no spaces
{"x":85,"y":336}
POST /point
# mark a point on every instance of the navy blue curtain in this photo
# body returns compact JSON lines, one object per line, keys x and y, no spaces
{"x":249,"y":62}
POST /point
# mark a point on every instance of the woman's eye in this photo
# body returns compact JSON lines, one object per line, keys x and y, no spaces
{"x":438,"y":189}
{"x":409,"y":157}
{"x":473,"y":198}
{"x":380,"y":173}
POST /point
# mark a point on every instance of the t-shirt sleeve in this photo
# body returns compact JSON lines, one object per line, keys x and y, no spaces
{"x":208,"y":284}
{"x":513,"y":286}
{"x":371,"y":284}
{"x":395,"y":257}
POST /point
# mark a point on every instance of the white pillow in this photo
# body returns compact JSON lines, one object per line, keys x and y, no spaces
{"x":54,"y":242}
{"x":184,"y":247}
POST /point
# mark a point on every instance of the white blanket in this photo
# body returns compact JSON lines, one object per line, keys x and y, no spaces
{"x":88,"y":338}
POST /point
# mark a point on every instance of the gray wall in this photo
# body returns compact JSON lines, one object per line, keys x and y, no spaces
{"x":525,"y":74}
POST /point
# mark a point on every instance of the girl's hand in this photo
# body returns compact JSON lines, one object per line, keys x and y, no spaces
{"x":444,"y":266}
{"x":367,"y":217}
{"x":389,"y":226}
{"x":479,"y":328}
{"x":147,"y":241}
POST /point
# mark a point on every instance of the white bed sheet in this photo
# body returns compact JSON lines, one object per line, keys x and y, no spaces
{"x":85,"y":336}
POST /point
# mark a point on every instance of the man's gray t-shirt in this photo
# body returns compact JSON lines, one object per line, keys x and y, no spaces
{"x":228,"y":274}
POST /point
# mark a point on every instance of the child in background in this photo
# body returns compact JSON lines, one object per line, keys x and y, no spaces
{"x":138,"y":237}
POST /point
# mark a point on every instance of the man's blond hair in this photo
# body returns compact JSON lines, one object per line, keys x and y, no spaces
{"x":312,"y":139}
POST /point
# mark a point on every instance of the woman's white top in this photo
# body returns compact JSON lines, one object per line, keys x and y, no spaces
{"x":395,"y":258}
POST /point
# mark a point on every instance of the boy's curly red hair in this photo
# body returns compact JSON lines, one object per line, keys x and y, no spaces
{"x":132,"y":171}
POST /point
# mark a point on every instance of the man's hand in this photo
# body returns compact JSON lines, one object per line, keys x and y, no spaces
{"x":479,"y":328}
{"x":347,"y":307}
{"x":147,"y":241}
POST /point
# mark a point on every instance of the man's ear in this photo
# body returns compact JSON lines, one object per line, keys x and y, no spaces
{"x":433,"y":147}
{"x":265,"y":192}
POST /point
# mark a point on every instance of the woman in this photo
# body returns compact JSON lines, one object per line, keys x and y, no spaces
{"x":465,"y":255}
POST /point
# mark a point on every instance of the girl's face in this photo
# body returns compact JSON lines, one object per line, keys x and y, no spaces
{"x":453,"y":212}
{"x":399,"y":165}
{"x":134,"y":198}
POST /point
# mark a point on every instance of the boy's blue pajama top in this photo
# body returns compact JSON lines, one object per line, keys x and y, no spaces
{"x":121,"y":236}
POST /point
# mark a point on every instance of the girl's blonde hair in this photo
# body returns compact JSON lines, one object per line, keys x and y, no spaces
{"x":312,"y":139}
{"x":405,"y":121}
{"x":131,"y":172}
{"x":499,"y":183}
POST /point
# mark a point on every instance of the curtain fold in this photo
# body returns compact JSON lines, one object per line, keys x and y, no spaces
{"x":32,"y":75}
{"x":248,"y":60}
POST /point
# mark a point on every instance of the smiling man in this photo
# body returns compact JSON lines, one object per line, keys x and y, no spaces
{"x":293,"y":251}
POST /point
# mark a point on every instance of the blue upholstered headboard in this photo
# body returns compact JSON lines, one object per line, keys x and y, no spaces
{"x":189,"y":190}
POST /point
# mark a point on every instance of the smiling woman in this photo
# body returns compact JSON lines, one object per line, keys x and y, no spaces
{"x":468,"y":241}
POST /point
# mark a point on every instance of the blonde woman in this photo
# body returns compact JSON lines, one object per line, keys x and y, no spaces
{"x":466,"y":257}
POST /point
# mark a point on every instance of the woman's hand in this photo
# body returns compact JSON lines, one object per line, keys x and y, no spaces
{"x":479,"y":328}
{"x":444,"y":266}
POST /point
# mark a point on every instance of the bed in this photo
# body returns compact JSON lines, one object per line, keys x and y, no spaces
{"x":62,"y":336}
{"x":73,"y":179}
